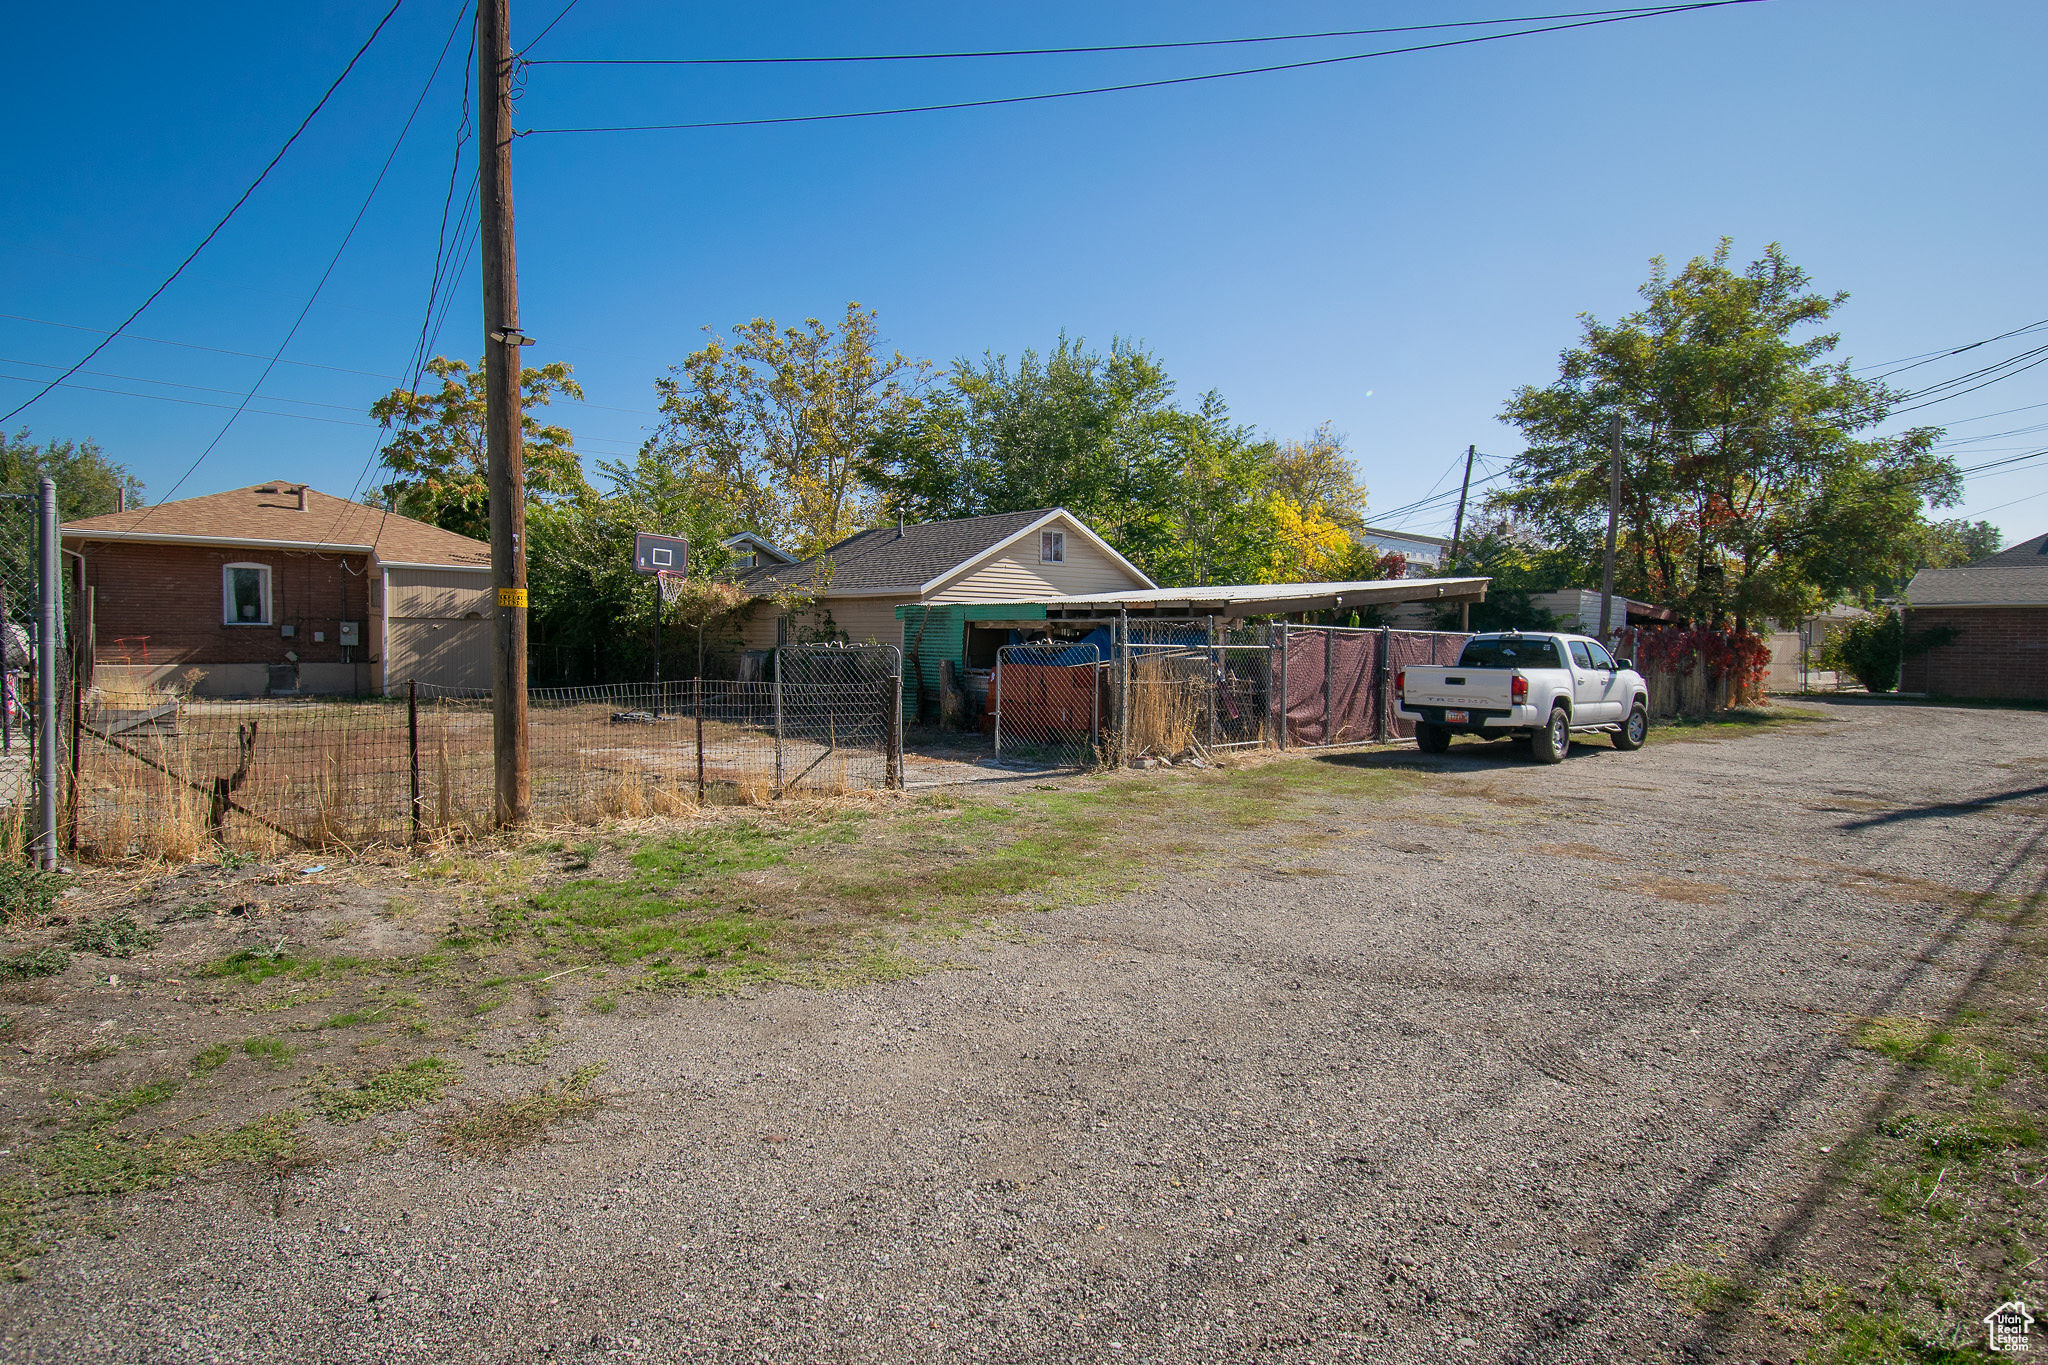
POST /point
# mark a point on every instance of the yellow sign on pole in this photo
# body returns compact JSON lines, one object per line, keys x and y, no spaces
{"x":512,"y":597}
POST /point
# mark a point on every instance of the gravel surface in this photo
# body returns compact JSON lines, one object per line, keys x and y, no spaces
{"x":1453,"y":1079}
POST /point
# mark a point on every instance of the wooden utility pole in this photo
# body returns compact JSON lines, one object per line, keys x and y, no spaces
{"x":502,"y":340}
{"x":1458,"y":526}
{"x":1613,"y":512}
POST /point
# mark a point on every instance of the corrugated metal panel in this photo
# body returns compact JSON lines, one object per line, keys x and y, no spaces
{"x":438,"y":594}
{"x":442,"y":653}
{"x":1016,"y":574}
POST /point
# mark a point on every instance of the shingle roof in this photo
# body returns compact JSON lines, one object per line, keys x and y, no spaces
{"x":2028,"y":553}
{"x":1988,"y":583}
{"x":886,"y":560}
{"x":268,"y":513}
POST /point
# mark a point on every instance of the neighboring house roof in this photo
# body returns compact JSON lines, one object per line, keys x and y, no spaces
{"x":760,"y":545}
{"x":287,"y":516}
{"x":2026,"y":554}
{"x":1988,"y":583}
{"x":909,"y":561}
{"x":1376,"y":534}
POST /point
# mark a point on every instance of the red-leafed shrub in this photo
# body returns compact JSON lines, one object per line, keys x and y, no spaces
{"x":1739,"y":657}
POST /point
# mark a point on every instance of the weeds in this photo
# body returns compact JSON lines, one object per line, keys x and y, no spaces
{"x":34,"y":962}
{"x":114,"y":935}
{"x":27,"y":893}
{"x":341,"y":1099}
{"x":495,"y":1130}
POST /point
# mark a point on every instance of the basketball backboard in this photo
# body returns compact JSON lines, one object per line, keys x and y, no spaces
{"x":654,"y":554}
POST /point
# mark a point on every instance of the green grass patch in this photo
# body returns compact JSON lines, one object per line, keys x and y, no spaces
{"x":349,"y":1099}
{"x":1703,"y":1291}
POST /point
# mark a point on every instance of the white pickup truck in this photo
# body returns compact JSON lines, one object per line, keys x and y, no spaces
{"x":1541,"y":687}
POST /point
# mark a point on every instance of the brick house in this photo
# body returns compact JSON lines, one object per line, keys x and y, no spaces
{"x":1998,"y":608}
{"x":278,"y":589}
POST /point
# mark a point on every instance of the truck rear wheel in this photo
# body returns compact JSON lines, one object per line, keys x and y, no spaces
{"x":1432,"y":739}
{"x":1553,"y":741}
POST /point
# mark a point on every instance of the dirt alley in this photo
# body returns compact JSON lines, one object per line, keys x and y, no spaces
{"x":1451,"y":1082}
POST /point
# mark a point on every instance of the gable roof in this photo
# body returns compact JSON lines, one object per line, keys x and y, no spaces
{"x":2027,"y":554}
{"x":268,"y":515}
{"x":1993,"y":585}
{"x":910,"y":561}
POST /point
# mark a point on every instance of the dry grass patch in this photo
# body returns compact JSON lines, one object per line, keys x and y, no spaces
{"x":492,"y":1131}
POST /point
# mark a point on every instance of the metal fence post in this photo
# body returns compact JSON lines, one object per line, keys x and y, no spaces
{"x":778,"y":723}
{"x":412,"y":747}
{"x":1123,"y":706}
{"x":997,"y":692}
{"x":1283,"y":685}
{"x":697,"y":710}
{"x":46,"y":679}
{"x":1383,"y":710}
{"x":893,"y":774}
{"x":1215,"y":678}
{"x":1329,"y":685}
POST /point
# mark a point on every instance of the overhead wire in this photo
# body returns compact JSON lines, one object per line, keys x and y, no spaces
{"x":333,"y":261}
{"x":215,"y":231}
{"x":1632,"y":10}
{"x":1121,"y":87}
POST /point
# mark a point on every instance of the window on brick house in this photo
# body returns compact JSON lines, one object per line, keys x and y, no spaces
{"x":1052,"y":547}
{"x":245,"y":594}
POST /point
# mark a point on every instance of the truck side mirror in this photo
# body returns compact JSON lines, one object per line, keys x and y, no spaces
{"x":1620,"y":664}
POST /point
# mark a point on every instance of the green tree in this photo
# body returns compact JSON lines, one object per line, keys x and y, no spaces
{"x":88,"y":483}
{"x":1520,"y":568}
{"x":773,"y":421}
{"x":1753,"y":485}
{"x":1317,"y":475}
{"x":1873,"y":649}
{"x":439,"y":457}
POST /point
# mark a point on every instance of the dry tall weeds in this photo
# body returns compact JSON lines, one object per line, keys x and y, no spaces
{"x":1167,"y":705}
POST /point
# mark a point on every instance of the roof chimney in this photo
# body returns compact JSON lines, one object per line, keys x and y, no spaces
{"x":899,"y":523}
{"x":120,"y":497}
{"x":301,"y":491}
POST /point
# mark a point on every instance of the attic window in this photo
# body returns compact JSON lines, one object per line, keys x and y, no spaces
{"x":745,"y":561}
{"x":1052,"y":547}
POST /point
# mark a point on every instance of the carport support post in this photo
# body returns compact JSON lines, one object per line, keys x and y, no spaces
{"x":778,"y":724}
{"x":1283,"y":685}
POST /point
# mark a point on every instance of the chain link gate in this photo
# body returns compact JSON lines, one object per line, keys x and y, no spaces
{"x":1047,"y":700}
{"x":837,"y":714}
{"x":31,"y":662}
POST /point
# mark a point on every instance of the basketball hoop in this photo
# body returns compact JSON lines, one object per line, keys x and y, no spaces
{"x":671,"y":584}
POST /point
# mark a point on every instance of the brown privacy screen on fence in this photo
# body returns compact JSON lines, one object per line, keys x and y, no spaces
{"x":1340,"y":681}
{"x":163,"y":776}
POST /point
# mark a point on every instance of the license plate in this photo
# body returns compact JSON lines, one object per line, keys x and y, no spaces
{"x":1457,"y":717}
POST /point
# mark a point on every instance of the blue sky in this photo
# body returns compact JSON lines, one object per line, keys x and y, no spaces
{"x":1387,"y":245}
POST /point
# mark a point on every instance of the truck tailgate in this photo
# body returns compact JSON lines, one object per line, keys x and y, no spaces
{"x":1483,"y":688}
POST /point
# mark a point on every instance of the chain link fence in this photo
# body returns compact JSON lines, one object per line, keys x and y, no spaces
{"x":163,"y":776}
{"x":1047,"y":699}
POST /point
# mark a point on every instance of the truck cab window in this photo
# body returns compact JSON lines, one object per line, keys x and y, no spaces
{"x":1579,"y":654}
{"x":1601,"y":658}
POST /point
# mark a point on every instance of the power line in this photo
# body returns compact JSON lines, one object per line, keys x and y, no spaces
{"x":234,"y":208}
{"x":1635,"y":11}
{"x":188,"y":346}
{"x":412,"y":115}
{"x":548,"y":28}
{"x":172,"y":384}
{"x":1132,"y":85}
{"x":1929,"y":357}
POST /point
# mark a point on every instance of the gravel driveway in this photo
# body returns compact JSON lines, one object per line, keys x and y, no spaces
{"x":1454,"y":1079}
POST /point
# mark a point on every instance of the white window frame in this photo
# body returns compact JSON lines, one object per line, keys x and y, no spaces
{"x":227,"y":594}
{"x":1056,"y":541}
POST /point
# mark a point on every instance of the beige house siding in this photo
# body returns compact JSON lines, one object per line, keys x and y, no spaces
{"x":1016,"y":575}
{"x":435,"y":629}
{"x":862,"y":620}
